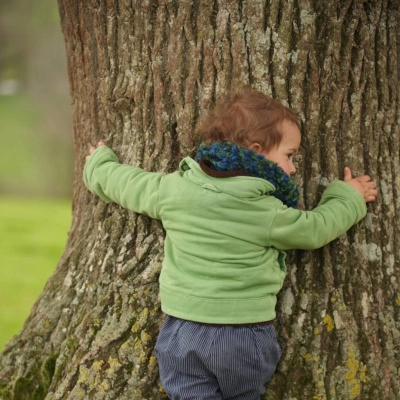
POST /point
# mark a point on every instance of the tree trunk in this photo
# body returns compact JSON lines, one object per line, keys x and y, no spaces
{"x":141,"y":73}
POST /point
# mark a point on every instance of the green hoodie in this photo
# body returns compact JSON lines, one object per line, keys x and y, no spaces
{"x":224,"y":257}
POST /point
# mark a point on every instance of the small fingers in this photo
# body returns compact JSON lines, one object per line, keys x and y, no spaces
{"x":364,"y":184}
{"x":369,"y":184}
{"x":368,"y":199}
{"x":371,"y":195}
{"x":347,"y":174}
{"x":364,"y":178}
{"x":92,"y":148}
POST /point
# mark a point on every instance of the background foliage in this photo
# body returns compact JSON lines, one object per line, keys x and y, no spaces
{"x":35,"y":156}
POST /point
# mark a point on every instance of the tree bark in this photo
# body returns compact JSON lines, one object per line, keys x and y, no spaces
{"x":141,"y":74}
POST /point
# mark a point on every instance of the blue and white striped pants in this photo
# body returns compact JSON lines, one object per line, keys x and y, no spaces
{"x":208,"y":362}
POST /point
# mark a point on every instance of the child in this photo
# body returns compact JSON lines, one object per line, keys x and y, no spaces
{"x":229,"y":215}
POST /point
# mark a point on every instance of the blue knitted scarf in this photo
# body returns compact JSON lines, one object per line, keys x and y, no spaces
{"x":228,"y":156}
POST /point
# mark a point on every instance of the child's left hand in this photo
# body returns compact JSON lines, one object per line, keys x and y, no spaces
{"x":363,"y":184}
{"x":92,"y":149}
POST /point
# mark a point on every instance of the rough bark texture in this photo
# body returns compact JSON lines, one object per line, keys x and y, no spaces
{"x":141,"y":72}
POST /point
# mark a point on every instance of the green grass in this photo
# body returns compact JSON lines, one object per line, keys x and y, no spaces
{"x":33,"y":234}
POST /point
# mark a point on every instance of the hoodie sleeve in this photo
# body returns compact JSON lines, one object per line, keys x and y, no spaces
{"x":131,"y":187}
{"x":340,"y":208}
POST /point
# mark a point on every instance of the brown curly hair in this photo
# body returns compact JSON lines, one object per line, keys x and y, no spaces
{"x":246,"y":116}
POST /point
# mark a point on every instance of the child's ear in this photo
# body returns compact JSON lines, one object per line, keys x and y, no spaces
{"x":256,"y":147}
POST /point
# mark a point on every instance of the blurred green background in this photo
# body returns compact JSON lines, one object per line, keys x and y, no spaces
{"x":36,"y":155}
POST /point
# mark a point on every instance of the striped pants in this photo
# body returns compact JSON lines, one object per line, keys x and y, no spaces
{"x":201,"y":362}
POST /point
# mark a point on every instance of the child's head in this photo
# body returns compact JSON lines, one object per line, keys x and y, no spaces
{"x":245,"y":117}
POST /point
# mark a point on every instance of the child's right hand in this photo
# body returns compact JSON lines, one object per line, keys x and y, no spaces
{"x":363,"y":184}
{"x":92,"y":149}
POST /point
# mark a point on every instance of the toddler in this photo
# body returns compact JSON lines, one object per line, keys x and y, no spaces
{"x":229,"y":215}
